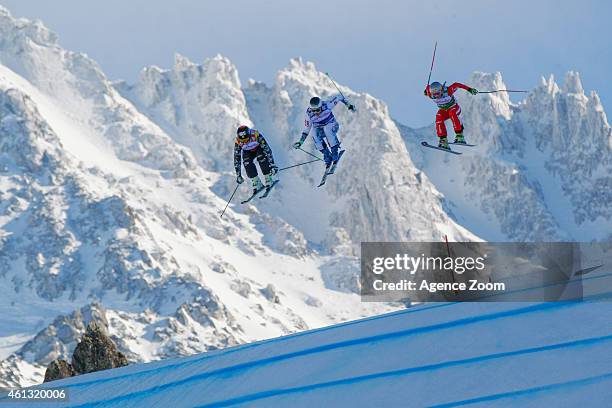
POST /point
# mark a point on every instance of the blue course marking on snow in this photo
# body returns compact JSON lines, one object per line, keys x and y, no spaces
{"x":405,"y":371}
{"x":214,"y":354}
{"x":415,"y":309}
{"x":287,"y":338}
{"x":512,"y":394}
{"x":403,"y":333}
{"x":218,"y":353}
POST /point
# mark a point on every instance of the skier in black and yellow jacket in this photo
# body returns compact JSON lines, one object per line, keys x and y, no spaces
{"x":251,"y":145}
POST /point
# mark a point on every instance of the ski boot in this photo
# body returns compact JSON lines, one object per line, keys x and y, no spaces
{"x":327,"y":157}
{"x":443,"y":144}
{"x":257,"y":185}
{"x":459,"y":139}
{"x":335,"y":153}
{"x":269,"y":179}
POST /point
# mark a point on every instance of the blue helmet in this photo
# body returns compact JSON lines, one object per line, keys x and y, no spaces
{"x":436,"y":89}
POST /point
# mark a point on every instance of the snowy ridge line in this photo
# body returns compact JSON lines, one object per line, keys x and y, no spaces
{"x":578,"y":279}
{"x":409,"y":370}
{"x":332,"y":346}
{"x":512,"y":394}
{"x":235,"y":349}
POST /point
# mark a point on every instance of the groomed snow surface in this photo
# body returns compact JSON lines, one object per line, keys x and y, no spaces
{"x":441,"y":354}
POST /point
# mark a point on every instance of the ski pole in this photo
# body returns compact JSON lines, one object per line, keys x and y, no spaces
{"x":310,"y":154}
{"x":449,"y":255}
{"x":432,"y":63}
{"x":228,"y":201}
{"x":500,"y":90}
{"x":334,"y":82}
{"x":296,"y":165}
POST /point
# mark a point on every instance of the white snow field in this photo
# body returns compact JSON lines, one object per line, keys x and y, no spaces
{"x":439,"y":354}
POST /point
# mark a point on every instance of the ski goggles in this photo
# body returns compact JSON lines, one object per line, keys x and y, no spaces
{"x":316,"y":110}
{"x":243,"y":134}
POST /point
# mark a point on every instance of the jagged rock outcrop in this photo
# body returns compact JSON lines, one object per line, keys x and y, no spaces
{"x":79,"y":86}
{"x":95,"y":352}
{"x":58,"y":340}
{"x":58,"y":369}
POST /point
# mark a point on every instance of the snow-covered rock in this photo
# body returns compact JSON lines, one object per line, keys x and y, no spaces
{"x":200,"y":106}
{"x":79,"y":87}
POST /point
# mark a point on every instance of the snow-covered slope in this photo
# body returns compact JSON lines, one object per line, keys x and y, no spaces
{"x":452,"y":354}
{"x":541,"y":170}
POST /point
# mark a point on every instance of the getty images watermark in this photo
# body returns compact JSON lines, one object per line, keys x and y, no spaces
{"x":481,"y":271}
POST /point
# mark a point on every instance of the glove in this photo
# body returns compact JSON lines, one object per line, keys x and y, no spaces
{"x":273,"y":170}
{"x":473,"y":91}
{"x":239,"y":179}
{"x":297,"y":144}
{"x":350,"y":107}
{"x":425,"y":92}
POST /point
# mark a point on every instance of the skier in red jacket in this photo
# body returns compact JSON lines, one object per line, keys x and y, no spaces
{"x":448,"y":109}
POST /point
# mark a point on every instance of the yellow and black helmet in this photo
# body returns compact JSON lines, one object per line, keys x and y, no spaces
{"x":243,"y":133}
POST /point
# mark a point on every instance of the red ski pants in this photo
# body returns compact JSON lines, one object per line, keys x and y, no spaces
{"x":444,"y":114}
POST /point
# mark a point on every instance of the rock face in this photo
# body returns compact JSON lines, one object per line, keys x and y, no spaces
{"x":95,"y":352}
{"x":58,"y":369}
{"x":79,"y":85}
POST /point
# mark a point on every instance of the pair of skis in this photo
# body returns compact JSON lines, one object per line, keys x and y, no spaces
{"x":264,"y":195}
{"x":331,"y":169}
{"x":447,"y":150}
{"x":328,"y":171}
